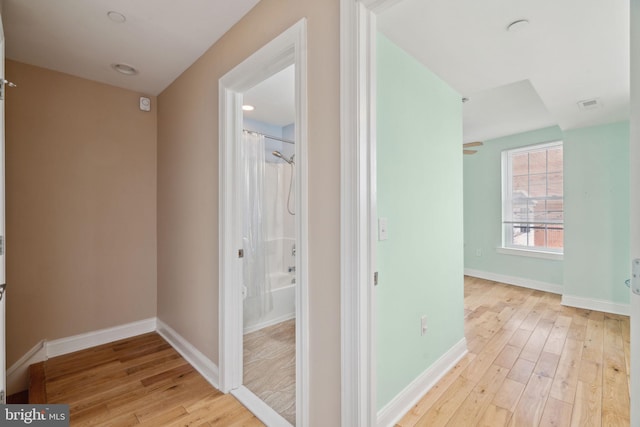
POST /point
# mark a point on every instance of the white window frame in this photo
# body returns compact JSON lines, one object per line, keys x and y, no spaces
{"x":507,"y":247}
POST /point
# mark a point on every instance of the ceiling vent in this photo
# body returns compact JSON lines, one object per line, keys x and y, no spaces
{"x":590,"y":104}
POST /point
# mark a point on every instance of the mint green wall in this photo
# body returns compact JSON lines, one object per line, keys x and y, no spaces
{"x":596,"y":187}
{"x":596,"y":165}
{"x":419,"y":166}
{"x":483,"y":212}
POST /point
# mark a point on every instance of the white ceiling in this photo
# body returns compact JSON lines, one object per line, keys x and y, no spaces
{"x":161,"y":38}
{"x":273,"y":99}
{"x":572,"y":50}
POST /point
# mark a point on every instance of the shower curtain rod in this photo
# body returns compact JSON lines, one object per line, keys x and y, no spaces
{"x":269,"y":136}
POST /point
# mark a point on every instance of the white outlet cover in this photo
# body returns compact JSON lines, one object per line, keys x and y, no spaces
{"x":383,"y":233}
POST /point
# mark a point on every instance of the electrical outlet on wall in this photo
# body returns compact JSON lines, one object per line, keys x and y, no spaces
{"x":423,"y":324}
{"x":478,"y":252}
{"x":383,"y":233}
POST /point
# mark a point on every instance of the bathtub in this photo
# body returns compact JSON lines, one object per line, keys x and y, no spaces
{"x":283,"y":294}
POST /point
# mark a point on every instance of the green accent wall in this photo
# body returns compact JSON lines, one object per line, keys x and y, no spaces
{"x":596,"y":261}
{"x":596,"y":191}
{"x":483,"y":212}
{"x":419,"y":178}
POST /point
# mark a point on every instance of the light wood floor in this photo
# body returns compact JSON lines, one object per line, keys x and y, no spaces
{"x":138,"y":381}
{"x":532,"y":362}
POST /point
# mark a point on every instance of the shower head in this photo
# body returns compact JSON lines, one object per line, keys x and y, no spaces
{"x":279,"y":154}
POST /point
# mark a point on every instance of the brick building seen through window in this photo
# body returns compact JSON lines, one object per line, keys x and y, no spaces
{"x":533,"y":205}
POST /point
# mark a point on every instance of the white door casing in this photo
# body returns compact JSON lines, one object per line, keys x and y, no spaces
{"x":3,"y":300}
{"x":634,"y":194}
{"x":288,"y":48}
{"x":358,"y":207}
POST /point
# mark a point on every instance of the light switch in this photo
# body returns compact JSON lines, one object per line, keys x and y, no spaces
{"x":382,"y":229}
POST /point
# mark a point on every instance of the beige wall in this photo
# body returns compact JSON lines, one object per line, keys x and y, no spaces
{"x":188,"y":190}
{"x":81,"y":207}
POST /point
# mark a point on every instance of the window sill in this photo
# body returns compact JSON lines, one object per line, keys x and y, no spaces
{"x":531,"y":253}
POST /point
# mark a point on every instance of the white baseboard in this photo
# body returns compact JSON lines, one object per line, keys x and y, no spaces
{"x":99,"y":337}
{"x":268,"y":323}
{"x":17,"y":374}
{"x":393,"y":411}
{"x":513,"y":280}
{"x":261,"y":410}
{"x":199,"y":361}
{"x":596,"y":304}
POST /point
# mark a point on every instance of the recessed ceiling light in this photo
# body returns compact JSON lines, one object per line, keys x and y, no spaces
{"x":116,"y":17}
{"x":517,"y":25}
{"x":248,"y":107}
{"x":125,"y":69}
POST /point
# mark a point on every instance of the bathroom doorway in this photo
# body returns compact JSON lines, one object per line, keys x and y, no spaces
{"x":263,"y":231}
{"x":269,"y":242}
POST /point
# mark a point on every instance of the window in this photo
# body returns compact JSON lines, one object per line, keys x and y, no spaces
{"x":532,"y":199}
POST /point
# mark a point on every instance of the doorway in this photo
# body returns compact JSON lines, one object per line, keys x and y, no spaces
{"x":269,"y":241}
{"x":263,"y":232}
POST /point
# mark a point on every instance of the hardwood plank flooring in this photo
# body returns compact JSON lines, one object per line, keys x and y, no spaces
{"x":531,"y":362}
{"x":138,"y":381}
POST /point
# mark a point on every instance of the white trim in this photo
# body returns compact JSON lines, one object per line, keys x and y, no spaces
{"x":103,"y":336}
{"x":393,"y":411}
{"x":269,"y":322}
{"x":17,"y":375}
{"x":199,"y":361}
{"x":288,"y":48}
{"x":555,"y":256}
{"x":261,"y":410}
{"x":596,"y":305}
{"x":517,"y":281}
{"x":357,"y":212}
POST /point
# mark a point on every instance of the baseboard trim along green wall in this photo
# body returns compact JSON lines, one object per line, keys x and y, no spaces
{"x":514,"y":280}
{"x":393,"y":411}
{"x":596,"y":304}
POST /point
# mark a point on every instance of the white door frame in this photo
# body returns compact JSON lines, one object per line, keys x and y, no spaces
{"x":288,"y":48}
{"x":3,"y":359}
{"x":358,"y":207}
{"x":634,"y":159}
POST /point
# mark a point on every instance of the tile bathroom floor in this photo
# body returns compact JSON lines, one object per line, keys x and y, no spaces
{"x":270,"y":367}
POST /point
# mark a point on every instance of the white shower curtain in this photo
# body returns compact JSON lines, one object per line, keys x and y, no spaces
{"x":256,"y":273}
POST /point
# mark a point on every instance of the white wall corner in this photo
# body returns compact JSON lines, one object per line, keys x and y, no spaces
{"x":18,"y":373}
{"x":199,"y":361}
{"x":517,"y":281}
{"x":596,"y":305}
{"x":393,"y":411}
